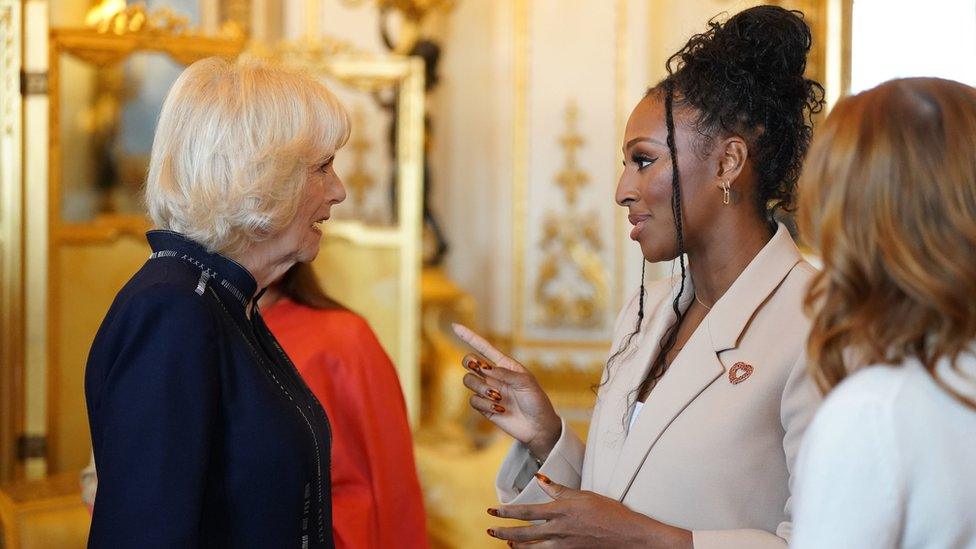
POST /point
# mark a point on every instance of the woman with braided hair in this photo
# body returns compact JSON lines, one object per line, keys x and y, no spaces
{"x":705,"y":398}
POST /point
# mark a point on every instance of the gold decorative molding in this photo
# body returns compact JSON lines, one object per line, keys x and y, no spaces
{"x":572,"y":287}
{"x":116,"y":32}
{"x":112,"y":37}
{"x":115,"y":17}
{"x":527,"y":314}
{"x":571,"y":177}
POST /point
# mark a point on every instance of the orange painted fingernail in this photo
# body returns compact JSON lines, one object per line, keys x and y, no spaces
{"x":493,"y":394}
{"x":492,"y":533}
{"x":486,"y":366}
{"x":543,"y":478}
{"x":511,"y":543}
{"x":498,"y":409}
{"x":493,"y":512}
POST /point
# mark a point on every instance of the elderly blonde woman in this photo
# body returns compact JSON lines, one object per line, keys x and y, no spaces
{"x":203,"y":432}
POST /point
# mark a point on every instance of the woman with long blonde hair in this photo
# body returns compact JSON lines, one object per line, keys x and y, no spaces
{"x":889,"y":199}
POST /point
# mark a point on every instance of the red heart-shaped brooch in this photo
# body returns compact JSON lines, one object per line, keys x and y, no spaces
{"x":740,"y":372}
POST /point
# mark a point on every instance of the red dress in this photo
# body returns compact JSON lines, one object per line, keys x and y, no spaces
{"x":376,"y":497}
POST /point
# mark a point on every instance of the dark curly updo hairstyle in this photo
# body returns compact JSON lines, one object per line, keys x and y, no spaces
{"x":743,"y":77}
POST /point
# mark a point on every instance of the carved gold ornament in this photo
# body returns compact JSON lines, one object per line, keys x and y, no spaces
{"x":115,"y":17}
{"x":572,"y":287}
{"x":571,"y":177}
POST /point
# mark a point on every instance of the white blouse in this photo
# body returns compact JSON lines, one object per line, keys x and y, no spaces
{"x":635,"y":411}
{"x":890,"y":462}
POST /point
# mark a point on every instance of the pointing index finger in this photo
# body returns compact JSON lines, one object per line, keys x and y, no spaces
{"x":479,"y":344}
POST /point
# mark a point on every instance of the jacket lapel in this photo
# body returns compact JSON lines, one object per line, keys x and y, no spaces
{"x":731,"y":314}
{"x":620,"y":393}
{"x":695,"y":368}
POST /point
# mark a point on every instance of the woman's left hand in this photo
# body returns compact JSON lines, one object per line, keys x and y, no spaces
{"x":579,"y":518}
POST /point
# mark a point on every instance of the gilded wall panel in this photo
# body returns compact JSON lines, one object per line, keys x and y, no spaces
{"x":579,"y":69}
{"x":566,"y":205}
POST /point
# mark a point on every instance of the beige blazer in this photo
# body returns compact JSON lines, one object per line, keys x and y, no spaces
{"x":704,"y":454}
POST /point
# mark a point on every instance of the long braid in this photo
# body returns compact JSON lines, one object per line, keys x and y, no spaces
{"x":640,"y":309}
{"x":631,"y":335}
{"x":660,"y":366}
{"x":675,"y":204}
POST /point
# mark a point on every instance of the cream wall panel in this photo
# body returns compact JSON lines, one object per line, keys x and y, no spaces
{"x":472,"y":155}
{"x":565,"y":68}
{"x":358,"y":26}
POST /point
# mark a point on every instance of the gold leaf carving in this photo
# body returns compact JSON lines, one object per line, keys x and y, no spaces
{"x":572,"y":286}
{"x":571,"y":177}
{"x":114,"y":17}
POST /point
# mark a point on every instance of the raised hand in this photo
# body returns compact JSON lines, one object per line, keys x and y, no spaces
{"x":509,"y":395}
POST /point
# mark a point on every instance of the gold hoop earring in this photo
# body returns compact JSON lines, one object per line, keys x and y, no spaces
{"x":726,"y":193}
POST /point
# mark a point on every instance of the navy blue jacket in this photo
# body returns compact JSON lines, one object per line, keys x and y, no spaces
{"x":204,"y":433}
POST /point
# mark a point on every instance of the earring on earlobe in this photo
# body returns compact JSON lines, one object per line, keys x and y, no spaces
{"x":726,"y":193}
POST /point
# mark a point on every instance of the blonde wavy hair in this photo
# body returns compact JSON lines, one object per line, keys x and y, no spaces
{"x":232,"y":148}
{"x":888,"y":197}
